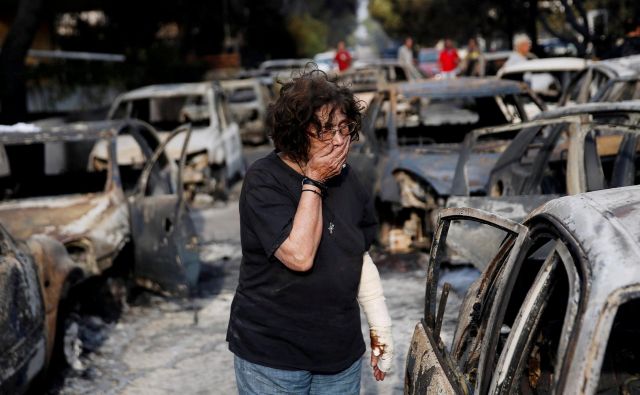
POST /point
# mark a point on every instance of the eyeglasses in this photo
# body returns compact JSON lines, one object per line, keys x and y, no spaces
{"x":344,"y":128}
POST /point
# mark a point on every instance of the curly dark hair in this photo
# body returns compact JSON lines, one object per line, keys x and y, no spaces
{"x":289,"y":118}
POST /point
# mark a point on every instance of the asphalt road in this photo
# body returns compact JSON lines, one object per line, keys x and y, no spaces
{"x":163,"y":345}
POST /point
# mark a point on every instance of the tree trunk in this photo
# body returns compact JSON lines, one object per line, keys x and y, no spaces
{"x":13,"y":91}
{"x":532,"y":28}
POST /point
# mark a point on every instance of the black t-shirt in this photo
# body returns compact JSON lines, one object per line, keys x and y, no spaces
{"x":292,"y":320}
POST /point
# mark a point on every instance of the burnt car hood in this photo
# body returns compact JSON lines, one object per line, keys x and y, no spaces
{"x":437,"y":166}
{"x":98,"y":217}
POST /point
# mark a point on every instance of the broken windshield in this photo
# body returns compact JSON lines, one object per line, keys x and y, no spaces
{"x":167,"y":113}
{"x":426,"y":121}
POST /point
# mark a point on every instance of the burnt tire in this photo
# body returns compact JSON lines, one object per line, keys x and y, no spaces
{"x":218,"y":184}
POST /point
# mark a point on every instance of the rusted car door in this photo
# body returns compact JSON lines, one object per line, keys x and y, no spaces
{"x":164,"y":237}
{"x":429,"y":364}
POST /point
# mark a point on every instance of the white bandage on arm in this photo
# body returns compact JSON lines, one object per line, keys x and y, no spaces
{"x":371,"y":299}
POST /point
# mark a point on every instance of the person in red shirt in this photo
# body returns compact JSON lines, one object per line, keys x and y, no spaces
{"x":343,"y":57}
{"x":449,"y":59}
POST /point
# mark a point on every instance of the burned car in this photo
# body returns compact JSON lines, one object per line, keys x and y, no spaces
{"x":607,"y":80}
{"x":553,"y":312}
{"x":410,"y":141}
{"x":570,"y":150}
{"x":363,"y":79}
{"x":549,"y":78}
{"x":95,"y":214}
{"x":248,"y":100}
{"x":214,"y":154}
{"x":23,"y":344}
{"x":391,"y":69}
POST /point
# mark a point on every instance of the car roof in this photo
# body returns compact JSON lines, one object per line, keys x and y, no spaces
{"x":629,"y":62}
{"x":613,"y":68}
{"x":546,"y":64}
{"x":31,"y":133}
{"x":495,"y":55}
{"x":239,"y":83}
{"x":606,"y":224}
{"x":460,"y":87}
{"x":286,"y":63}
{"x":592,"y":108}
{"x":168,"y":90}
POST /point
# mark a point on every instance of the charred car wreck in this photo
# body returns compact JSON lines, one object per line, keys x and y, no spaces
{"x":23,"y":344}
{"x":553,"y":312}
{"x":214,"y":153}
{"x":248,"y":100}
{"x":79,"y":215}
{"x":410,"y":142}
{"x":566,"y":151}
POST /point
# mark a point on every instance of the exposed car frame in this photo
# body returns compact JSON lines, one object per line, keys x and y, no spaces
{"x":214,"y":154}
{"x":549,"y":77}
{"x":574,"y":260}
{"x":592,"y":83}
{"x":248,"y":100}
{"x":411,"y":175}
{"x":74,"y":237}
{"x":570,"y":150}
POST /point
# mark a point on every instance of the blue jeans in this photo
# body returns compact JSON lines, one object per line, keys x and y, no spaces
{"x":253,"y":379}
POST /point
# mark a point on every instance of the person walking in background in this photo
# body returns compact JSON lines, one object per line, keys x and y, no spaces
{"x":405,"y":52}
{"x":343,"y":57}
{"x":473,"y":63}
{"x":306,"y":225}
{"x":448,"y":59}
{"x":521,"y":50}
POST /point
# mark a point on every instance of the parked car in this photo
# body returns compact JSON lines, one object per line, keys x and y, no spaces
{"x":362,"y":79}
{"x":95,"y":212}
{"x":428,"y":61}
{"x":214,"y":153}
{"x":409,"y":146}
{"x":595,"y":82}
{"x":553,"y":312}
{"x":494,"y":61}
{"x":393,"y":70}
{"x":554,"y":46}
{"x":569,"y":150}
{"x":275,"y":72}
{"x":549,"y":77}
{"x":279,"y":66}
{"x":248,"y":100}
{"x":325,"y":60}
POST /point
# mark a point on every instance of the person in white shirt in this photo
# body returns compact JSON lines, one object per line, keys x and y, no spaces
{"x":405,"y":52}
{"x":521,"y":50}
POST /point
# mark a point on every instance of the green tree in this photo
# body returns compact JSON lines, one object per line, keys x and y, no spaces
{"x":310,"y":34}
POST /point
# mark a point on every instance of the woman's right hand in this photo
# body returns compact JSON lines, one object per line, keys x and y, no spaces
{"x":327,"y":162}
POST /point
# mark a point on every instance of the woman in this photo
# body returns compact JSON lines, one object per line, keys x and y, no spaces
{"x":474,"y":61}
{"x":306,"y":225}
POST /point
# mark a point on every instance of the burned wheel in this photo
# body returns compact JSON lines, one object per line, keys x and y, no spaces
{"x":404,"y":230}
{"x":218,"y":186}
